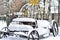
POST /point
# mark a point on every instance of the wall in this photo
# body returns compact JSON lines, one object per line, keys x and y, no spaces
{"x":15,"y":5}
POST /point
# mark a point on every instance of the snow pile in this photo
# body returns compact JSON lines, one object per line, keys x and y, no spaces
{"x":2,"y":24}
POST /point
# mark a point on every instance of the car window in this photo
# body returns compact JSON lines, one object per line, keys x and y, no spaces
{"x":33,"y":24}
{"x":29,"y":23}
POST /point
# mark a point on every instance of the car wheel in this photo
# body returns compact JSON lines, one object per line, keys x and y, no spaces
{"x":55,"y":29}
{"x":33,"y":35}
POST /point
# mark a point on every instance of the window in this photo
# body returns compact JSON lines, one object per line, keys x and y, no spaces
{"x":54,"y":9}
{"x":29,"y":23}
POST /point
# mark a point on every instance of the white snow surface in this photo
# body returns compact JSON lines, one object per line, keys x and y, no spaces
{"x":42,"y":31}
{"x":18,"y":38}
{"x":24,"y":19}
{"x":18,"y":27}
{"x":53,"y":38}
{"x":2,"y":24}
{"x":43,"y":23}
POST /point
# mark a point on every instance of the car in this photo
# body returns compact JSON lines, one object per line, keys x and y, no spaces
{"x":21,"y":25}
{"x":33,"y":28}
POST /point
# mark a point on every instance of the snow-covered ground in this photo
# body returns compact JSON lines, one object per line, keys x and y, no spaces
{"x":53,"y":38}
{"x":22,"y":38}
{"x":19,"y":38}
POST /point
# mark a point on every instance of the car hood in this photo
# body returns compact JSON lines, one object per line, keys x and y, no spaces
{"x":17,"y":27}
{"x":43,"y":23}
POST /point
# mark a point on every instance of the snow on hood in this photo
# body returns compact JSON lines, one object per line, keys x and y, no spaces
{"x":24,"y":19}
{"x":43,"y":23}
{"x":17,"y":27}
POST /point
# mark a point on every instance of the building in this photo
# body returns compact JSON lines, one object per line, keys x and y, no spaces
{"x":11,"y":6}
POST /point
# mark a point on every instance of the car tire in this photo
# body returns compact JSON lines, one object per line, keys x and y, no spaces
{"x":55,"y":29}
{"x":32,"y":34}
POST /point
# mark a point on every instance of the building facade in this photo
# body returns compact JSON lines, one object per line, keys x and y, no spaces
{"x":15,"y":6}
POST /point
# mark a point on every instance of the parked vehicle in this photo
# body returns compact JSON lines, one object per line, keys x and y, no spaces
{"x":33,"y":28}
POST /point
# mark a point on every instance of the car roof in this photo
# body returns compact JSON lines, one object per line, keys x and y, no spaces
{"x":24,"y":19}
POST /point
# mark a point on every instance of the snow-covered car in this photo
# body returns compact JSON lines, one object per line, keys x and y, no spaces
{"x":33,"y":28}
{"x":22,"y":25}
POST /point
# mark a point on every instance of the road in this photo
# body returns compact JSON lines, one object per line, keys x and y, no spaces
{"x":20,"y":38}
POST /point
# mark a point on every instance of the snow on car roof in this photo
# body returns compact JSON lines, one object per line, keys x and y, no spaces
{"x":25,"y":19}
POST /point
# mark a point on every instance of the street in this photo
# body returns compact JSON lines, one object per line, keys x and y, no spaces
{"x":23,"y":38}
